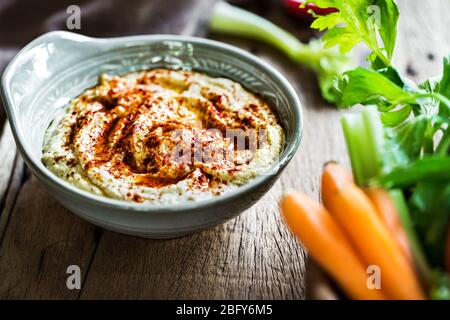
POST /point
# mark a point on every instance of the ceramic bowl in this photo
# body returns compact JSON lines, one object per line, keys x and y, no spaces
{"x":58,"y":66}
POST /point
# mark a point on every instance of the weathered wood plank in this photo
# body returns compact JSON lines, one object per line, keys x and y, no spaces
{"x":423,"y":38}
{"x":7,"y":154}
{"x":245,"y":258}
{"x":41,"y":240}
{"x":252,"y":256}
{"x":15,"y":183}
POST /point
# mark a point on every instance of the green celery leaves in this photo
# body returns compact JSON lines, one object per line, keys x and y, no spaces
{"x":360,"y":21}
{"x":369,"y":87}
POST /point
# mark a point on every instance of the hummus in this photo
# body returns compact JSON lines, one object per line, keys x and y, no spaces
{"x":163,"y":136}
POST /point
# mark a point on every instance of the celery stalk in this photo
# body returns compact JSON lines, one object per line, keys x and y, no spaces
{"x":328,"y":64}
{"x":419,"y":257}
{"x":365,"y":141}
{"x":364,"y":137}
{"x":235,"y":21}
{"x":444,"y":146}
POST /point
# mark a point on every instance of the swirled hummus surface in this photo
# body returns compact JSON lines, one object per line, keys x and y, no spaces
{"x":163,"y":136}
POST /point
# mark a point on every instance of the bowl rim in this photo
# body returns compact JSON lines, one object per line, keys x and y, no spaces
{"x":45,"y":175}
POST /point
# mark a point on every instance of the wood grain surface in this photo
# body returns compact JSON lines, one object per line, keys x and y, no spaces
{"x":252,"y":256}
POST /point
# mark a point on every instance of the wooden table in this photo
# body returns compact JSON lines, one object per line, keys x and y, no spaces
{"x":252,"y":256}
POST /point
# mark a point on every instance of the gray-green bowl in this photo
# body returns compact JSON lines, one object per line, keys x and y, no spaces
{"x":58,"y":66}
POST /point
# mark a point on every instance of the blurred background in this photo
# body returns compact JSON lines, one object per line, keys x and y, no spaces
{"x":23,"y":20}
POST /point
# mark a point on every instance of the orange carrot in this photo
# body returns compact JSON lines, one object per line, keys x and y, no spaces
{"x":344,"y":174}
{"x":327,"y":244}
{"x":387,"y":212}
{"x":357,"y":216}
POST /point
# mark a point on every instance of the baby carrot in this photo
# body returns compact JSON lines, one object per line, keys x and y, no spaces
{"x":387,"y":212}
{"x":327,"y":244}
{"x":357,"y":216}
